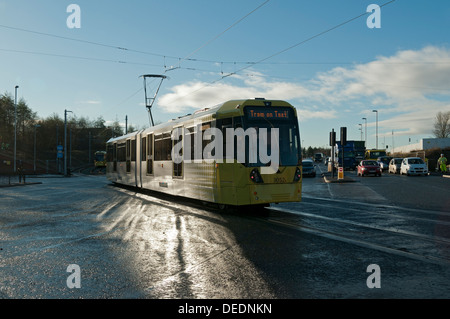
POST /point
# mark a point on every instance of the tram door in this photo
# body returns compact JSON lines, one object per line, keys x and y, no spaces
{"x":140,"y":158}
{"x":177,"y":170}
{"x":138,"y":163}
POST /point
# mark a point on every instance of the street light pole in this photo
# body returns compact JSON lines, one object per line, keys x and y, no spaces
{"x":36,"y":126}
{"x":376,"y":111}
{"x":65,"y":141}
{"x":15,"y":126}
{"x":365,"y":134}
{"x":360,"y":128}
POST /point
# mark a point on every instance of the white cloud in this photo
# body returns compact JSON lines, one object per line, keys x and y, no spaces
{"x":410,"y":87}
{"x":91,"y":102}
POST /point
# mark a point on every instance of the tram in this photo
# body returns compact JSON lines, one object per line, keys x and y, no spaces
{"x":100,"y":159}
{"x":241,"y":152}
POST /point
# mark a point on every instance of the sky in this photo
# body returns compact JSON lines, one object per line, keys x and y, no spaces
{"x":324,"y":57}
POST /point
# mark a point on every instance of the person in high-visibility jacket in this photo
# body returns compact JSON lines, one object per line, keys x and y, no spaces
{"x":442,"y":161}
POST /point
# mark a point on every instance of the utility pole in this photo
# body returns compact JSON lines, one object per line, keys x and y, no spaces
{"x":89,"y":147}
{"x":35,"y":127}
{"x":65,"y":141}
{"x":15,"y":126}
{"x":376,"y":111}
{"x":365,"y":134}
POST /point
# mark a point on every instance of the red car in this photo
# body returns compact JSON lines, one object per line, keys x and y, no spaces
{"x":367,"y":167}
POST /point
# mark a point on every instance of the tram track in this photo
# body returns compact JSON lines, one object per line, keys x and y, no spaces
{"x":395,"y":239}
{"x":368,"y":232}
{"x":370,"y":226}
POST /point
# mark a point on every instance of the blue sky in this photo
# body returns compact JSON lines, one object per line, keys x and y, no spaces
{"x":335,"y":79}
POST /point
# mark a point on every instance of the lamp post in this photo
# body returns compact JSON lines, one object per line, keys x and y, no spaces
{"x":65,"y":141}
{"x":365,"y":134}
{"x":376,"y":111}
{"x":360,"y":128}
{"x":15,"y":126}
{"x":35,"y":127}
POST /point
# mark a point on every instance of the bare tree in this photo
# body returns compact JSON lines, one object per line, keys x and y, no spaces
{"x":442,"y":125}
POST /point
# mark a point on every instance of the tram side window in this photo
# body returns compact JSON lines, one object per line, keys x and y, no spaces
{"x":114,"y":157}
{"x":205,"y":142}
{"x":128,"y":163}
{"x":189,"y":141}
{"x":133,"y":150}
{"x":121,"y":152}
{"x":163,"y":147}
{"x":128,"y":149}
{"x":150,"y":144}
{"x":177,"y":167}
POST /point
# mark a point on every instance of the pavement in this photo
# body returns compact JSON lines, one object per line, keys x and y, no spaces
{"x":328,"y":178}
{"x":5,"y":181}
{"x":19,"y":184}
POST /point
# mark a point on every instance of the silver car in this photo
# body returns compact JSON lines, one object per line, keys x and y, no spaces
{"x":394,"y":165}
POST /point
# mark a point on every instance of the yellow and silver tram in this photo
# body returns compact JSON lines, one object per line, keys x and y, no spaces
{"x":100,"y":159}
{"x":209,"y":156}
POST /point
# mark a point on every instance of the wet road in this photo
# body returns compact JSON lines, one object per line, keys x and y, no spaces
{"x":129,"y":244}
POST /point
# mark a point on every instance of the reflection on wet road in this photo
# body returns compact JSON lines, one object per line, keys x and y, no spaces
{"x":133,"y":244}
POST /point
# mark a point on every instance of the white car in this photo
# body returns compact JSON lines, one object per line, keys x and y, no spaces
{"x":413,"y":166}
{"x":395,"y":165}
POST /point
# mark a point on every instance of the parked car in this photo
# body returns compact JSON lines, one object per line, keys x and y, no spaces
{"x":383,"y":161}
{"x":413,"y":166}
{"x":367,"y":167}
{"x":308,"y":168}
{"x":394,"y":165}
{"x":318,"y":157}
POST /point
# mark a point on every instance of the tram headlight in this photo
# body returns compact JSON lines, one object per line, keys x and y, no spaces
{"x":298,"y":174}
{"x":255,"y":176}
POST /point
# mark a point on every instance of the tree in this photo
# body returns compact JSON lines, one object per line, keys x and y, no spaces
{"x":442,"y":125}
{"x":6,"y":120}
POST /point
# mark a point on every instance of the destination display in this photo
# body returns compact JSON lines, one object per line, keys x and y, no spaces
{"x":261,"y":113}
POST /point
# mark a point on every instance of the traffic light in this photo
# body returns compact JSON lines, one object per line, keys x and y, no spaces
{"x":332,"y":138}
{"x":343,"y":136}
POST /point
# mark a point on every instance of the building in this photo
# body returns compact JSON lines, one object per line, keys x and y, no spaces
{"x":423,"y":145}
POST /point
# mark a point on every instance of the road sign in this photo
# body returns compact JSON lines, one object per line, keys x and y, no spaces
{"x":59,"y":153}
{"x":340,"y":173}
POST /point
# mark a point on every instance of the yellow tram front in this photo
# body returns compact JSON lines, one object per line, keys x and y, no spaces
{"x":100,"y":159}
{"x":266,"y":161}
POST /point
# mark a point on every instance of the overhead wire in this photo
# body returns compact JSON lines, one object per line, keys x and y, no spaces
{"x":83,"y":41}
{"x":77,"y":57}
{"x":281,"y":51}
{"x":227,"y":29}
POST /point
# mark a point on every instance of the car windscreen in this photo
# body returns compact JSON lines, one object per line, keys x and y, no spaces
{"x":415,"y":161}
